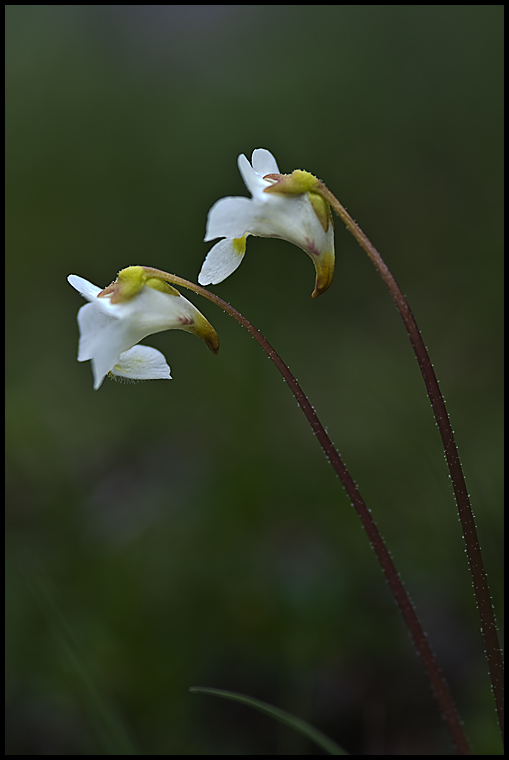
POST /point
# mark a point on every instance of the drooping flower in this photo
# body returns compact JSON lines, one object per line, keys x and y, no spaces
{"x":118,"y":317}
{"x":282,"y":206}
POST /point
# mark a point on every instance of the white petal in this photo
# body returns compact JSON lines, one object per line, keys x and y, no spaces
{"x":92,"y":323}
{"x":142,"y":363}
{"x":84,"y":287}
{"x":252,"y":180}
{"x":115,"y":339}
{"x":230,"y":217}
{"x":292,"y":218}
{"x":264,"y":162}
{"x":222,"y":259}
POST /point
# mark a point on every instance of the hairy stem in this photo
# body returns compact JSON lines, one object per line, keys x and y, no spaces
{"x":481,"y":589}
{"x":436,"y":678}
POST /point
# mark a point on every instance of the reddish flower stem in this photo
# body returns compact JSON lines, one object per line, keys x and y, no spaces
{"x":481,"y":589}
{"x":436,"y":678}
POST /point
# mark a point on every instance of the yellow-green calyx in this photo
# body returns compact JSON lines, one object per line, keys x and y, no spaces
{"x":295,"y":183}
{"x":321,"y":209}
{"x":130,"y":281}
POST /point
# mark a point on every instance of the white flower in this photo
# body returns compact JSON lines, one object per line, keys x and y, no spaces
{"x":116,"y":319}
{"x":286,"y":207}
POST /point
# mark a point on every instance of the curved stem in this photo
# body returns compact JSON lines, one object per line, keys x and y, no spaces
{"x":481,"y":589}
{"x":437,"y":680}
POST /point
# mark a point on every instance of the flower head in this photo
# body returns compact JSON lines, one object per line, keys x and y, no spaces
{"x":118,"y":317}
{"x":283,"y":206}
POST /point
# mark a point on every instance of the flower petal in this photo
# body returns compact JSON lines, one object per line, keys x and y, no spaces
{"x":92,"y":323}
{"x":292,"y":218}
{"x":84,"y":287}
{"x":142,"y":363}
{"x":252,"y":179}
{"x":264,"y":162}
{"x":114,"y":340}
{"x":230,"y":218}
{"x":222,"y":259}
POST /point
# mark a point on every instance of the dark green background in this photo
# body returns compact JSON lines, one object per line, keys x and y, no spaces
{"x":167,"y":535}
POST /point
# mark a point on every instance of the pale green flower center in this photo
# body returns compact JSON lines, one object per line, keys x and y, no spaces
{"x":239,"y":245}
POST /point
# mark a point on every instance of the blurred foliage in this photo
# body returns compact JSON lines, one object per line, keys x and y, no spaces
{"x":192,"y":533}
